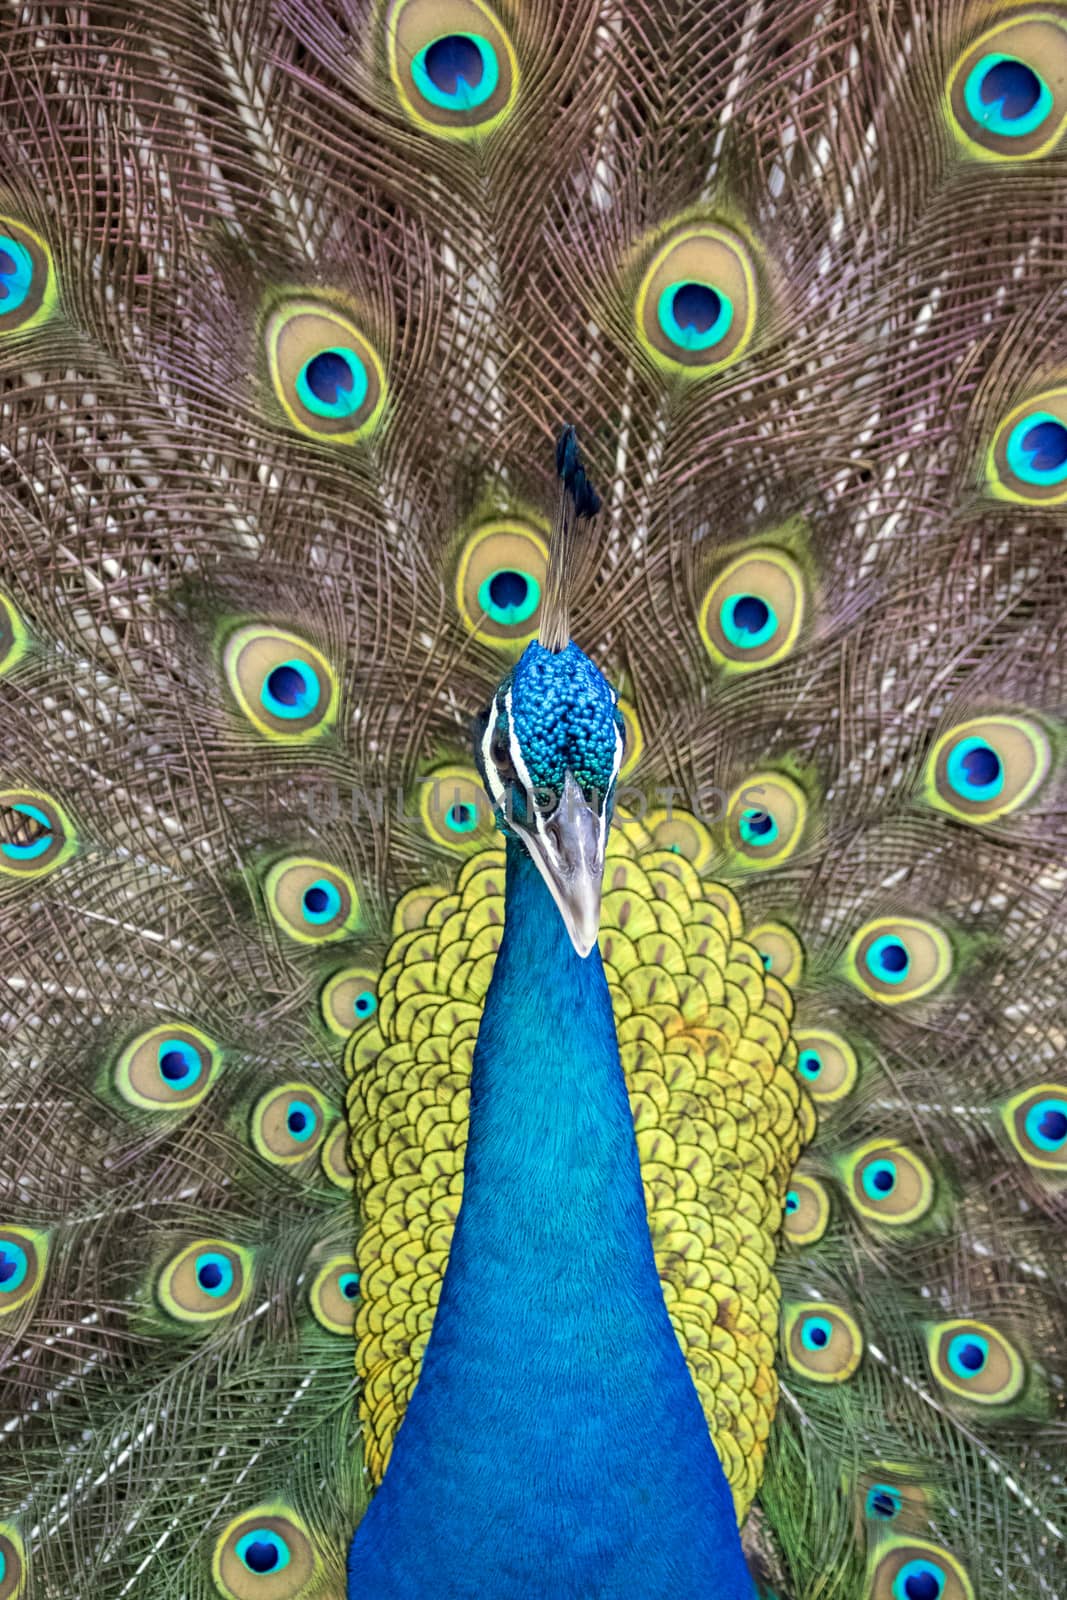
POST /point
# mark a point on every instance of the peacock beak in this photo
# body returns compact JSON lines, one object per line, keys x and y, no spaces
{"x":567,"y":847}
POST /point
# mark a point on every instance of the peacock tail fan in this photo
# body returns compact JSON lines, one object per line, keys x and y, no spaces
{"x":294,"y":297}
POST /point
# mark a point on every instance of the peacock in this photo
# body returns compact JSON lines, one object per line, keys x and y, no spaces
{"x":532,"y":722}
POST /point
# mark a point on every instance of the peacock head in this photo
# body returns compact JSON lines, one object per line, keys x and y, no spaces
{"x":548,"y":748}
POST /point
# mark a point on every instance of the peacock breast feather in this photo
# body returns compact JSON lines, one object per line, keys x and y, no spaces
{"x":720,"y":1118}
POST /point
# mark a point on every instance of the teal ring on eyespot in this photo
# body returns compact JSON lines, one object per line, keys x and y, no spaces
{"x":3,"y":1566}
{"x":964,"y":1352}
{"x":689,"y":337}
{"x":183,"y":1072}
{"x":306,"y":697}
{"x":317,"y":914}
{"x":347,"y":401}
{"x":466,"y":821}
{"x":36,"y":847}
{"x":809,"y":1064}
{"x":19,"y":280}
{"x":348,"y":1283}
{"x":913,"y":1581}
{"x":989,"y":114}
{"x":364,"y":1005}
{"x":464,"y":97}
{"x":750,"y":827}
{"x":883,"y":1502}
{"x":14,"y":1265}
{"x":263,"y":1552}
{"x":886,"y":1170}
{"x":876,"y":959}
{"x":218,"y":1270}
{"x":1020,"y":459}
{"x":736,"y":628}
{"x":815,"y":1333}
{"x":1036,"y":1117}
{"x":304,"y":1132}
{"x":508,"y":615}
{"x":961,"y":780}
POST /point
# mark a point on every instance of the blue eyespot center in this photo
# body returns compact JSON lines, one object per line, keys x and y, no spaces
{"x":815,"y":1333}
{"x":968,"y":1354}
{"x":263,"y":1551}
{"x":919,"y":1580}
{"x":809,"y":1064}
{"x":40,"y":834}
{"x":1037,"y":450}
{"x":300,"y":1120}
{"x":462,"y":818}
{"x":693,"y":315}
{"x":1006,"y":96}
{"x":214,"y":1274}
{"x":16,"y":274}
{"x":509,"y":596}
{"x":348,"y":1283}
{"x":1046,"y":1124}
{"x":457,"y":72}
{"x":975,"y":770}
{"x":365,"y":1004}
{"x":291,"y":690}
{"x":883,"y":1502}
{"x":747,"y":621}
{"x":792,"y":1201}
{"x":179,"y":1064}
{"x":880,"y":1179}
{"x":888,"y":959}
{"x":757,"y":827}
{"x":333,"y":383}
{"x":322,"y":901}
{"x":14,"y":1265}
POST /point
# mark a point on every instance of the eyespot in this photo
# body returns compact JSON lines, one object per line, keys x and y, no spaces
{"x":681,"y":833}
{"x":882,"y":1503}
{"x":334,"y":1157}
{"x":1036,"y":1121}
{"x":327,"y":375}
{"x":974,"y":1361}
{"x":169,"y":1068}
{"x":285,"y":687}
{"x":14,"y":642}
{"x":1005,"y":93}
{"x":205,"y":1281}
{"x":454,"y":808}
{"x":12,"y":1562}
{"x":23,"y":1257}
{"x":334,"y":1294}
{"x":500,"y":581}
{"x":1027,"y":461}
{"x":765,"y":819}
{"x":982,"y":769}
{"x":452,"y":64}
{"x":807,"y":1210}
{"x":311,"y":900}
{"x":780,"y":951}
{"x":696,"y":304}
{"x":36,"y":835}
{"x":898,"y":958}
{"x":826,"y":1064}
{"x":888,"y":1183}
{"x":27,"y":278}
{"x":349,"y":999}
{"x":633,"y":739}
{"x":751,"y":615}
{"x":822,"y":1342}
{"x":912,"y":1569}
{"x":288,"y":1123}
{"x":264,"y":1554}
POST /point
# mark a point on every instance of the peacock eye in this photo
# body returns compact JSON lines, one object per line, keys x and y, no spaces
{"x":457,"y":72}
{"x":27,"y":282}
{"x":334,"y":1294}
{"x":696,"y":305}
{"x":266,"y":1551}
{"x":327,"y":375}
{"x":1005,"y":92}
{"x":452,"y":65}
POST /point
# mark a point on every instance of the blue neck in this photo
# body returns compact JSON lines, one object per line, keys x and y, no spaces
{"x":555,"y":1444}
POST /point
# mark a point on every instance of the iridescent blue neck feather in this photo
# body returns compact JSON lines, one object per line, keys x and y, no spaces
{"x":555,"y":1444}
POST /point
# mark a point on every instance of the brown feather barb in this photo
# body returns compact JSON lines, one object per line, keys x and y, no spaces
{"x":577,"y":503}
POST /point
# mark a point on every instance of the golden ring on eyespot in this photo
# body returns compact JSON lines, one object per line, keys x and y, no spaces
{"x":455,"y":808}
{"x":27,"y":278}
{"x":986,"y":767}
{"x":327,"y":376}
{"x":453,"y":66}
{"x":695,"y":310}
{"x":822,"y":1341}
{"x":893,"y":959}
{"x":1006,"y":95}
{"x":285,"y":687}
{"x":168,"y":1068}
{"x":23,"y":1258}
{"x":313,"y":901}
{"x":265,"y":1554}
{"x":780,"y":951}
{"x":975,"y":1361}
{"x":500,"y":582}
{"x":349,"y":1000}
{"x":334,"y":1156}
{"x":680,"y":832}
{"x":765,"y":818}
{"x":826,"y":1064}
{"x":14,"y":642}
{"x":752,"y":612}
{"x":806,"y":1211}
{"x":288,"y":1123}
{"x":1027,"y":460}
{"x":36,"y":834}
{"x":12,"y":1562}
{"x":888,"y":1183}
{"x":334,"y":1293}
{"x":207,"y":1280}
{"x":1036,"y":1121}
{"x":896,"y":1560}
